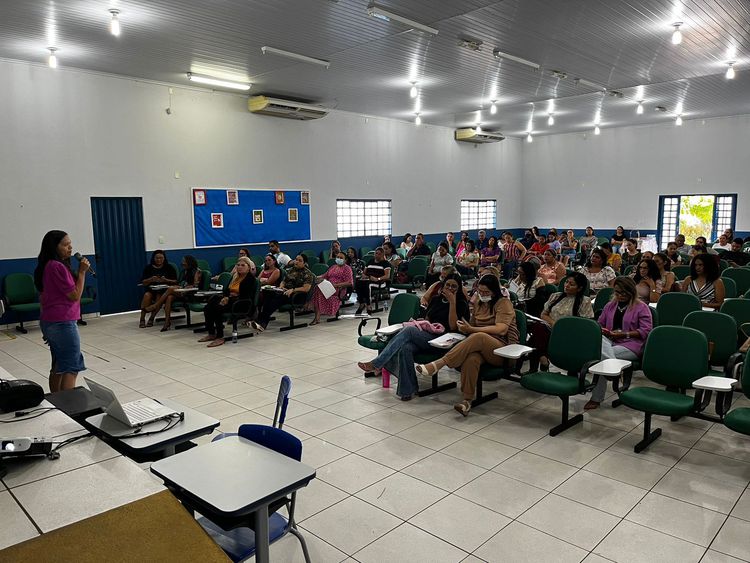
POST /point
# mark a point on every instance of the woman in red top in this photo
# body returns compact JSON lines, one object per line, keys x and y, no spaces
{"x":538,"y":248}
{"x":60,"y":298}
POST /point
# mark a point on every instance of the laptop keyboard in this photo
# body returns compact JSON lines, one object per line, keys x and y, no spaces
{"x":138,"y":413}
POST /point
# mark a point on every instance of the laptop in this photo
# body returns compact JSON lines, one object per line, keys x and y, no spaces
{"x":133,"y":414}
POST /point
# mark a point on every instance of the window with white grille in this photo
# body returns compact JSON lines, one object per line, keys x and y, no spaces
{"x":478,"y":214}
{"x":363,"y":217}
{"x":724,"y":214}
{"x":670,"y":214}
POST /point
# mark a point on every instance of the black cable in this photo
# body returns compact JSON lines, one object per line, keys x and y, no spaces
{"x":172,"y":421}
{"x":43,"y":410}
{"x":68,"y":441}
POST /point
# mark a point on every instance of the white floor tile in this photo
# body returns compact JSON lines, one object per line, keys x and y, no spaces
{"x":567,"y":451}
{"x":431,"y":435}
{"x":353,"y":436}
{"x":353,"y":473}
{"x":390,"y":421}
{"x":700,"y":490}
{"x":601,"y":492}
{"x":634,"y":471}
{"x":480,"y":451}
{"x":631,"y":543}
{"x":394,"y":452}
{"x":501,"y":494}
{"x":401,"y":495}
{"x":407,"y":543}
{"x":535,"y":470}
{"x":444,"y":471}
{"x":523,"y":544}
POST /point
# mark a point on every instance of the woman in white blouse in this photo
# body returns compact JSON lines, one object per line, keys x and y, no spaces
{"x":597,"y":272}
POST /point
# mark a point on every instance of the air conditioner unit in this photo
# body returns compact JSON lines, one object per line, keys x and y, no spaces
{"x":285,"y":108}
{"x":470,"y":135}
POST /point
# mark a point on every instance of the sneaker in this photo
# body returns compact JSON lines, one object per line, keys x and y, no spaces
{"x":463,"y":407}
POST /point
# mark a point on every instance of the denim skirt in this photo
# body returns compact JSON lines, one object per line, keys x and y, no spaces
{"x":65,"y":345}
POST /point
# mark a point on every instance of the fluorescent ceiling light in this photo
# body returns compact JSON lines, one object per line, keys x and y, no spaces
{"x":493,"y":107}
{"x":52,"y":59}
{"x":590,"y":84}
{"x":216,"y":82}
{"x":386,"y":15}
{"x":677,"y":34}
{"x":418,"y":120}
{"x":296,"y":56}
{"x":551,"y":119}
{"x":639,"y":109}
{"x":413,"y":91}
{"x":597,"y":131}
{"x":114,"y":23}
{"x":730,"y":70}
{"x":500,"y":55}
{"x":529,"y":138}
{"x":678,"y":121}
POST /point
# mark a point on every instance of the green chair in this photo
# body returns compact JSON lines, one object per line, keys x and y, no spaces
{"x":674,"y":307}
{"x":405,"y":306}
{"x":603,"y":297}
{"x":258,"y":260}
{"x":741,"y":277}
{"x":319,"y":269}
{"x":730,"y":288}
{"x":431,"y":246}
{"x":628,"y":269}
{"x":681,"y":272}
{"x":242,"y":309}
{"x":20,"y":296}
{"x":225,"y":278}
{"x":228,"y":263}
{"x":676,"y":371}
{"x":720,"y":331}
{"x":739,"y":419}
{"x":685,"y":258}
{"x":601,"y":240}
{"x":723,"y":265}
{"x":739,"y":310}
{"x":312,"y":257}
{"x":203,"y":265}
{"x":192,"y":306}
{"x":416,"y":274}
{"x":364,"y":251}
{"x":401,"y":252}
{"x":574,"y":345}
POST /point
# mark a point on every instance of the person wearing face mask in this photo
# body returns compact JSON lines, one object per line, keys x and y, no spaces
{"x":341,"y":276}
{"x":296,"y":285}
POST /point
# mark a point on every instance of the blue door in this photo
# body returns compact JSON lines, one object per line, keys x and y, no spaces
{"x":120,"y":251}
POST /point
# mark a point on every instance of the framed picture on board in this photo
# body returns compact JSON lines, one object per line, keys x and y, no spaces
{"x":233,"y":197}
{"x":304,"y":198}
{"x":279,"y":198}
{"x":293,"y":215}
{"x":217,"y":220}
{"x":257,"y":216}
{"x":199,"y":197}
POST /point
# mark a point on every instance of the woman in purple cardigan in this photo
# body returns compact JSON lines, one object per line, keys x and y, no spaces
{"x":626,"y":322}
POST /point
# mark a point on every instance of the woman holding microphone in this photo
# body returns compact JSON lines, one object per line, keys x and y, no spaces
{"x":60,"y":298}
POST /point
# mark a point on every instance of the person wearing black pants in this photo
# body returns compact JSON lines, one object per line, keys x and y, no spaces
{"x":242,"y":287}
{"x":296,"y":286}
{"x":365,"y":282}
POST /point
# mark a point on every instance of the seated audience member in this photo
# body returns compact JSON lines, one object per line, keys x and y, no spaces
{"x":271,"y":273}
{"x":526,"y":283}
{"x":281,"y":258}
{"x":645,"y":277}
{"x":597,"y":272}
{"x":735,"y":256}
{"x":445,"y":306}
{"x":571,"y":302}
{"x":159,"y":271}
{"x":614,"y":260}
{"x":681,"y":246}
{"x":242,"y":287}
{"x":569,"y":246}
{"x":632,"y":255}
{"x":723,"y":244}
{"x":701,"y":247}
{"x":674,"y":257}
{"x":538,"y":248}
{"x":535,"y":232}
{"x":366,"y":282}
{"x":647,"y":255}
{"x":704,"y":281}
{"x":445,"y":273}
{"x":386,"y":239}
{"x":626,"y":322}
{"x":527,"y":240}
{"x":468,"y":261}
{"x":333,"y":251}
{"x":513,"y":253}
{"x":481,"y":241}
{"x":440,"y":258}
{"x":297,"y":284}
{"x":617,"y":239}
{"x":190,"y":276}
{"x":341,"y":277}
{"x":666,"y":281}
{"x":390,"y":254}
{"x":242,"y":253}
{"x":450,"y":240}
{"x":492,"y":325}
{"x":553,"y":243}
{"x":407,"y":243}
{"x":551,"y":271}
{"x":420,"y":248}
{"x":588,"y":242}
{"x":729,"y":233}
{"x":461,"y":247}
{"x":491,"y":254}
{"x":353,"y":262}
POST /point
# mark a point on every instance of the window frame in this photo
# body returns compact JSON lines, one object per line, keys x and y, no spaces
{"x":383,"y":222}
{"x":715,"y":221}
{"x":477,"y":225}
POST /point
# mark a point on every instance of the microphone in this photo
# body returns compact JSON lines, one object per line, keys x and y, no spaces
{"x":78,"y":257}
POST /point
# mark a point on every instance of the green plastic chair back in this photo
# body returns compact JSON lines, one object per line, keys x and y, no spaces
{"x":417,"y":268}
{"x":431,"y":245}
{"x":551,"y":288}
{"x":675,"y":356}
{"x":225,"y":278}
{"x":681,"y":272}
{"x":741,"y":277}
{"x":747,"y":294}
{"x":513,"y":297}
{"x":19,"y":289}
{"x":573,"y":342}
{"x":720,"y":330}
{"x":601,"y":240}
{"x":177,"y":270}
{"x":685,"y":258}
{"x":203,"y":265}
{"x":364,"y":251}
{"x":738,"y":309}
{"x":228,"y":263}
{"x":258,"y":260}
{"x":730,"y":287}
{"x":674,"y":307}
{"x":405,"y":306}
{"x":401,"y":252}
{"x":521,"y":325}
{"x":723,"y":265}
{"x":312,"y":256}
{"x":745,"y":379}
{"x":319,"y":269}
{"x":603,"y":297}
{"x":369,"y":259}
{"x":331,"y":261}
{"x":628,"y":269}
{"x":205,"y":279}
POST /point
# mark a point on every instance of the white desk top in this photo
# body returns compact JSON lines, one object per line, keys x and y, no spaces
{"x":512,"y":351}
{"x":233,"y":475}
{"x":610,"y":367}
{"x":715,"y":383}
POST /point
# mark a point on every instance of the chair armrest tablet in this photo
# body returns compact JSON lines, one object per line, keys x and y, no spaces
{"x":513,"y":351}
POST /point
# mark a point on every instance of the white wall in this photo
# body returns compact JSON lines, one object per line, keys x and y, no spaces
{"x":616,"y":178}
{"x":66,"y":135}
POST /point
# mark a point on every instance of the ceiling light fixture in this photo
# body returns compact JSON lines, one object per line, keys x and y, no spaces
{"x":529,"y":138}
{"x":551,"y":119}
{"x":498,"y":54}
{"x":471,"y":44}
{"x":730,"y":70}
{"x":418,"y":120}
{"x":676,"y":34}
{"x":52,"y":59}
{"x":639,"y":109}
{"x":216,"y":82}
{"x":478,"y":129}
{"x":296,"y":56}
{"x":597,"y":131}
{"x":493,"y":107}
{"x":598,"y":117}
{"x":413,"y":92}
{"x":678,"y":121}
{"x":114,"y":23}
{"x":386,"y":15}
{"x":595,"y":86}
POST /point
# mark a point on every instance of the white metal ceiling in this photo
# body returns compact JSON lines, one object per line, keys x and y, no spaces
{"x":618,"y":44}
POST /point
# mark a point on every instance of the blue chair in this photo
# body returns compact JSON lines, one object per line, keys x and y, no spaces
{"x":239,"y":543}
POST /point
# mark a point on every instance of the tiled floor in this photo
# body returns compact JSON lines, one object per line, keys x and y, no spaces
{"x":417,"y":482}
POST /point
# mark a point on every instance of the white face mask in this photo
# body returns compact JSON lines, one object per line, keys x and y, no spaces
{"x":340,"y":261}
{"x":485,"y":298}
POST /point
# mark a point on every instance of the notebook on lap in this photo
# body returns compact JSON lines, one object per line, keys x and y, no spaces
{"x":133,"y":414}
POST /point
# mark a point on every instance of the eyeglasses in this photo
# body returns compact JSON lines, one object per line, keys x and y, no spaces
{"x":453,"y":286}
{"x":620,"y":292}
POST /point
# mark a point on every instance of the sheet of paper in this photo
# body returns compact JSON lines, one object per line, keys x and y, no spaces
{"x":326,"y":288}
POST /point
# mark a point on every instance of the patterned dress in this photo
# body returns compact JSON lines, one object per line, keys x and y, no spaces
{"x":335,"y":274}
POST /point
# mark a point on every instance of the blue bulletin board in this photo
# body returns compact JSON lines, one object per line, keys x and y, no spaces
{"x":230,"y":217}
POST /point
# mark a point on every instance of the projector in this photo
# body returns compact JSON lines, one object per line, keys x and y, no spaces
{"x":24,"y":446}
